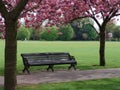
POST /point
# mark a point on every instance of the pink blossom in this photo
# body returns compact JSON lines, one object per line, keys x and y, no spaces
{"x":48,"y":30}
{"x":60,"y":33}
{"x":61,"y":11}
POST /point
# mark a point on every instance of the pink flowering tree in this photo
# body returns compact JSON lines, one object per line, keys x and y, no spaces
{"x":102,"y":12}
{"x":34,"y":13}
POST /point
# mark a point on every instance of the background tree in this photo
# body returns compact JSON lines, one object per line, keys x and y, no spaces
{"x":114,"y":29}
{"x":65,"y":32}
{"x":23,"y":33}
{"x":105,"y":10}
{"x":49,"y":34}
{"x":90,"y":31}
{"x":110,"y":27}
{"x":84,"y":26}
{"x":0,"y":35}
{"x":116,"y":33}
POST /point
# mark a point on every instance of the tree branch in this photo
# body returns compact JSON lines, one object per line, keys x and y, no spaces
{"x":113,"y":13}
{"x":91,"y":10}
{"x":18,"y":9}
{"x":94,"y":29}
{"x":77,"y":18}
{"x":32,"y":7}
{"x":3,"y":9}
{"x":96,"y":21}
{"x":117,"y":14}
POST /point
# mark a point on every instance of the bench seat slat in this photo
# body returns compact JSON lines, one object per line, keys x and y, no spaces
{"x":47,"y":62}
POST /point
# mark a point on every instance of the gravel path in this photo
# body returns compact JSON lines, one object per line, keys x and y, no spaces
{"x":65,"y":76}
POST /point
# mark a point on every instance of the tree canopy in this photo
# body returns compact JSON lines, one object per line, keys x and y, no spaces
{"x":36,"y":11}
{"x":58,"y":11}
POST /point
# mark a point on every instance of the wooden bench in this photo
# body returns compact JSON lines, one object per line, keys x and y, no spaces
{"x":50,"y":59}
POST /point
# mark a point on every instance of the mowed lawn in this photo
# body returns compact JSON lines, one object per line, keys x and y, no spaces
{"x":100,"y":84}
{"x":85,"y":52}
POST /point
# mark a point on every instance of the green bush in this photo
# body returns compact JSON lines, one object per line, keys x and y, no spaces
{"x":84,"y":29}
{"x":35,"y":34}
{"x":0,"y":35}
{"x":90,"y":31}
{"x":23,"y":33}
{"x":65,"y":33}
{"x":49,"y":34}
{"x":116,"y":34}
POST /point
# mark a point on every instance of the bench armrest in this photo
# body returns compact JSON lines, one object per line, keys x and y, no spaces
{"x":72,"y":58}
{"x":25,"y":61}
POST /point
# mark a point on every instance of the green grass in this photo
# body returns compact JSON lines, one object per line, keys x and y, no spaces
{"x":85,"y":52}
{"x":101,"y":84}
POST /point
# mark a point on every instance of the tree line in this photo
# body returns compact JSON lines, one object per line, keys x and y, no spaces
{"x":81,"y":29}
{"x":72,"y":31}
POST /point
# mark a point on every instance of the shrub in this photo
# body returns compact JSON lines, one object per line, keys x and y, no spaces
{"x":65,"y":33}
{"x":85,"y":36}
{"x":23,"y":33}
{"x":0,"y":35}
{"x":90,"y":31}
{"x":116,"y":34}
{"x":35,"y":34}
{"x":49,"y":33}
{"x":84,"y":29}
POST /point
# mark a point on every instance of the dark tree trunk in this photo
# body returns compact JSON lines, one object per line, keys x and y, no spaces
{"x":10,"y":55}
{"x":11,"y":17}
{"x":102,"y":47}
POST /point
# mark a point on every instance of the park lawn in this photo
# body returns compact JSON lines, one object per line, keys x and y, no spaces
{"x":100,"y":84}
{"x":85,"y":52}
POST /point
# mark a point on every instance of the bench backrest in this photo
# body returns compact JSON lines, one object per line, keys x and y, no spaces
{"x":46,"y":56}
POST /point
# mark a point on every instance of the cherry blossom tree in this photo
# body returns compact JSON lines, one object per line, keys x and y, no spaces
{"x":102,"y":12}
{"x":10,"y":12}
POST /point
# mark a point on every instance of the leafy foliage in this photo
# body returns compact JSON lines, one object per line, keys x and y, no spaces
{"x":84,"y":29}
{"x":89,"y":31}
{"x":116,"y":33}
{"x":23,"y":33}
{"x":66,"y":33}
{"x":49,"y":33}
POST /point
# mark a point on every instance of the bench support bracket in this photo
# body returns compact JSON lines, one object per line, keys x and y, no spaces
{"x":26,"y":69}
{"x":72,"y":65}
{"x":50,"y":67}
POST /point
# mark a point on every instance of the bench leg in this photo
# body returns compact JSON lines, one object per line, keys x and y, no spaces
{"x":50,"y":67}
{"x":72,"y":65}
{"x":26,"y":68}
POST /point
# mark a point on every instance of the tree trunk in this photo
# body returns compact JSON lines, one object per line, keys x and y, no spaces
{"x":102,"y":47}
{"x":10,"y":55}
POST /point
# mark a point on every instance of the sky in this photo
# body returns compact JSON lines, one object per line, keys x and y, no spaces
{"x":117,"y":22}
